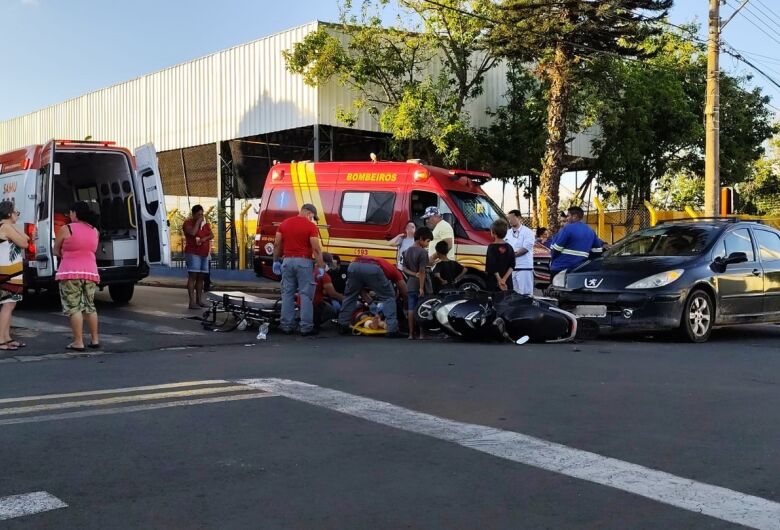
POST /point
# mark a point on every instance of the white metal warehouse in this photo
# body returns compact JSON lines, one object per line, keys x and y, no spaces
{"x":230,"y":112}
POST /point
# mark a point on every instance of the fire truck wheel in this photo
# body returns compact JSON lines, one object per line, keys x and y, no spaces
{"x":472,"y":281}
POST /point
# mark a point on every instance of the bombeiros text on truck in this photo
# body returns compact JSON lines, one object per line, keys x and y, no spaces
{"x":123,"y":188}
{"x":363,"y":205}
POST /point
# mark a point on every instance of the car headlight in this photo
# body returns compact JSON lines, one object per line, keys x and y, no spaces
{"x":559,"y":280}
{"x":657,"y":280}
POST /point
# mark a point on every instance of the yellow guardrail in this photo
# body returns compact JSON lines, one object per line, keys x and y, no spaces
{"x":242,"y":237}
{"x":601,"y":223}
{"x":653,"y":213}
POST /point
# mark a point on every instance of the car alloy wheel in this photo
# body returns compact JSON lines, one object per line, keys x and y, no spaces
{"x":698,"y":317}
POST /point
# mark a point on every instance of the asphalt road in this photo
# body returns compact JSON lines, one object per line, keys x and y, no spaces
{"x":214,"y":451}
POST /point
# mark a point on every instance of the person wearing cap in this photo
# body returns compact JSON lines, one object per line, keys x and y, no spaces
{"x":442,"y":231}
{"x":296,"y":250}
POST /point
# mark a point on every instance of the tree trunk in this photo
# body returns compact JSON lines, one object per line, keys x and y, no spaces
{"x":553,"y":164}
{"x":517,"y":194}
{"x":503,"y":194}
{"x":535,"y":210}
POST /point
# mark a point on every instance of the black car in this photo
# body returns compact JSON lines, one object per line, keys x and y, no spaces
{"x":690,"y":275}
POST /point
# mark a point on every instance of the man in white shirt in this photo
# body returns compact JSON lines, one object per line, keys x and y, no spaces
{"x":442,"y":230}
{"x":522,"y":240}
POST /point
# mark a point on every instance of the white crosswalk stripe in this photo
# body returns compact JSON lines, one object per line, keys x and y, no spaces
{"x":698,"y":497}
{"x":28,"y":504}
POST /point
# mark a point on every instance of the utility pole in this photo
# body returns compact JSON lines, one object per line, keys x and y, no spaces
{"x":712,"y":116}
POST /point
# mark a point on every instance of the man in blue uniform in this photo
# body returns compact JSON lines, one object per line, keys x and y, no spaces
{"x":574,"y":243}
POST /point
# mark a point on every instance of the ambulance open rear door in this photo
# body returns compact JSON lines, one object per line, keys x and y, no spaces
{"x":152,"y":206}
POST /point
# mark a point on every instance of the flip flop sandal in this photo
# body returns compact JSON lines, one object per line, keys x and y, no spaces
{"x":71,"y":347}
{"x":93,"y":346}
{"x":5,"y":346}
{"x":17,"y":343}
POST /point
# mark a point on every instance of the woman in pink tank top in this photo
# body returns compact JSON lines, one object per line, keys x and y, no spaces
{"x":77,"y":273}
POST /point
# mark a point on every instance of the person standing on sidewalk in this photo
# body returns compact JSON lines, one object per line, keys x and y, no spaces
{"x":574,"y":244}
{"x":12,"y":245}
{"x":197,"y":249}
{"x":522,"y":240}
{"x":297,"y":241}
{"x":77,"y":273}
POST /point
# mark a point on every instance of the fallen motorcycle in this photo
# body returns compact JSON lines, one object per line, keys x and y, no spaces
{"x":474,"y":315}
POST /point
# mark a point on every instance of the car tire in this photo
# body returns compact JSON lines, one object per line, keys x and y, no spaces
{"x":121,"y":293}
{"x":698,"y":317}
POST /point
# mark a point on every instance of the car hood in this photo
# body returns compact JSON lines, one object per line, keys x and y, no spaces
{"x":616,"y":273}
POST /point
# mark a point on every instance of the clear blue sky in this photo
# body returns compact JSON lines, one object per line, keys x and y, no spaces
{"x":53,"y":50}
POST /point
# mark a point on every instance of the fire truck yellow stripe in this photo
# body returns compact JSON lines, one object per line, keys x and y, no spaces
{"x":296,"y":186}
{"x":315,"y":198}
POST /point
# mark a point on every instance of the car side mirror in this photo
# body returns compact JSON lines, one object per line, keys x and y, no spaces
{"x":720,"y":263}
{"x":735,"y":257}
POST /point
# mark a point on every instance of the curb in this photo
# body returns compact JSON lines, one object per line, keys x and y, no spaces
{"x":179,"y":283}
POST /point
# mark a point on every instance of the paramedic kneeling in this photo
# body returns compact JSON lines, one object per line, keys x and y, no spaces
{"x":378,"y":275}
{"x":297,"y":240}
{"x":574,"y":244}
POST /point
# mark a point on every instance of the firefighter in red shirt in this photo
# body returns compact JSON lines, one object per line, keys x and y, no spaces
{"x":378,"y":275}
{"x":296,"y":250}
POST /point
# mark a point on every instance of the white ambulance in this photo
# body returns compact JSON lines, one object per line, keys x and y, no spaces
{"x":124,"y":190}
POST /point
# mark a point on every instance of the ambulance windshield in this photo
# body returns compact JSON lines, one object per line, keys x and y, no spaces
{"x":479,"y":210}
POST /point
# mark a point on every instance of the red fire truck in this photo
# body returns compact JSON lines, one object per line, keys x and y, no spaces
{"x":363,"y":205}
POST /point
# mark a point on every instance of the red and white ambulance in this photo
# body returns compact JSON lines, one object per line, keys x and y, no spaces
{"x":123,"y":189}
{"x":363,"y":205}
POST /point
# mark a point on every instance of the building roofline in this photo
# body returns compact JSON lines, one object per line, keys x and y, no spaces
{"x":120,"y":83}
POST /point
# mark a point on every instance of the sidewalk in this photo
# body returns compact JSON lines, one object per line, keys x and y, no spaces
{"x":221,"y":280}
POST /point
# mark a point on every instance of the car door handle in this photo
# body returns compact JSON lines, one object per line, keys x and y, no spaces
{"x":756,"y":272}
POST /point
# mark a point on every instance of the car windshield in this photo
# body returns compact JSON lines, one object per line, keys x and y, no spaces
{"x":665,"y":240}
{"x":479,"y":210}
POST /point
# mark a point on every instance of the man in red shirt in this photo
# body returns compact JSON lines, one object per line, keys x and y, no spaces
{"x":297,"y":241}
{"x":197,"y":247}
{"x":378,"y":275}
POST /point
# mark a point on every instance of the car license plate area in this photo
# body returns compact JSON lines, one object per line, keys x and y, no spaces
{"x":590,"y":311}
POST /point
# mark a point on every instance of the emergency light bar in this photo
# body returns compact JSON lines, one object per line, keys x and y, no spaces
{"x":478,"y":176}
{"x":84,"y":142}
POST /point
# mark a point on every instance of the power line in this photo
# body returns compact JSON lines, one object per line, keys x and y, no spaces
{"x":766,"y":16}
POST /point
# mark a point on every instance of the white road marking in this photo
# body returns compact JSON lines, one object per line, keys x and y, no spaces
{"x":28,"y":504}
{"x":123,"y":399}
{"x":39,"y":325}
{"x":135,"y":408}
{"x":113,"y":391}
{"x":715,"y":501}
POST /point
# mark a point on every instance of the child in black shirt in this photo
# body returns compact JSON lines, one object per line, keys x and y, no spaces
{"x":447,"y":272}
{"x":499,"y":260}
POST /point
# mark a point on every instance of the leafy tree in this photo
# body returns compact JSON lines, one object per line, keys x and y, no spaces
{"x":511,"y":148}
{"x":650,"y":115}
{"x":678,"y":190}
{"x":559,"y":35}
{"x":390,"y":68}
{"x":760,"y":194}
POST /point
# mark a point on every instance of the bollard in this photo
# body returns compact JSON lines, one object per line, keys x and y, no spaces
{"x":602,"y":216}
{"x":242,"y":237}
{"x":653,"y":213}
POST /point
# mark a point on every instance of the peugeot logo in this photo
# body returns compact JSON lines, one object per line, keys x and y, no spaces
{"x":593,"y":283}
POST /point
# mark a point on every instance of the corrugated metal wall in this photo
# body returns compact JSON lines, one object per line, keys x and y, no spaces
{"x":238,"y":92}
{"x":235,"y":93}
